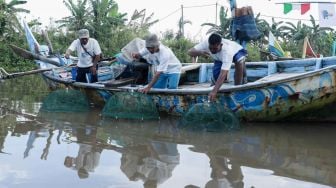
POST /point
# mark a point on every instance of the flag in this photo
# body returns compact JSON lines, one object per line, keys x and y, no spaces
{"x":274,"y":47}
{"x":303,"y":7}
{"x":307,"y":50}
{"x":32,"y":42}
{"x":327,"y":17}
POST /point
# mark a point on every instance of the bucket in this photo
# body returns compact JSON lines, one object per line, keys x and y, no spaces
{"x":74,"y":73}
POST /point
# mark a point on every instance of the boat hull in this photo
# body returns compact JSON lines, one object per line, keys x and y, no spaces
{"x":271,"y":103}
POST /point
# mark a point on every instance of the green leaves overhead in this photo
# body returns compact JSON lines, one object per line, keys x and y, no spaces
{"x":224,"y":27}
{"x":79,"y":15}
{"x":139,"y":20}
{"x":9,"y":22}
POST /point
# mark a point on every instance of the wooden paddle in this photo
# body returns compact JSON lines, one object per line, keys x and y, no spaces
{"x":4,"y":75}
{"x":29,"y":55}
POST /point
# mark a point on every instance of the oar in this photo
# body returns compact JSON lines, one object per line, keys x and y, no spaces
{"x":4,"y":75}
{"x":29,"y":55}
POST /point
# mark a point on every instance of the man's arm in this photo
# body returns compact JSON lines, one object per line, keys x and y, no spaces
{"x":136,"y":56}
{"x":67,"y":53}
{"x":95,"y":61}
{"x":71,"y":48}
{"x":193,"y":53}
{"x":150,"y":85}
{"x":140,"y":54}
{"x":218,"y":84}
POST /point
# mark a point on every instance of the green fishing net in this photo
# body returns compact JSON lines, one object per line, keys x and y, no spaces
{"x":67,"y":100}
{"x":210,"y":117}
{"x":130,"y":105}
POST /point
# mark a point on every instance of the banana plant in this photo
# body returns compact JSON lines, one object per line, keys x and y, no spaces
{"x":224,"y":26}
{"x":79,"y":15}
{"x":9,"y":22}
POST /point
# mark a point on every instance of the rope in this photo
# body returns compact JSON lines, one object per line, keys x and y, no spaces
{"x":200,"y":6}
{"x":169,"y":14}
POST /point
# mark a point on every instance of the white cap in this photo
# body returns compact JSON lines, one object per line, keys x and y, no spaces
{"x":152,"y":41}
{"x":83,"y":33}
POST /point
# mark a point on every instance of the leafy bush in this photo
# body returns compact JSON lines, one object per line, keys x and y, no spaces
{"x":180,"y":48}
{"x":253,"y":53}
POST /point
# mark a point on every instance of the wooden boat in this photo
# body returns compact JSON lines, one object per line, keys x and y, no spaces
{"x":275,"y":89}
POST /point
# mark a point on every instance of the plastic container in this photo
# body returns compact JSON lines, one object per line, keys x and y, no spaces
{"x":73,"y":73}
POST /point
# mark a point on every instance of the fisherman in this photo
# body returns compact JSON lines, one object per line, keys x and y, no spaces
{"x":168,"y":67}
{"x":224,"y":52}
{"x":89,"y":53}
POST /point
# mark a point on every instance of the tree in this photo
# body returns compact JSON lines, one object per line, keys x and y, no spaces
{"x":224,"y":27}
{"x":263,"y":27}
{"x":105,"y":15}
{"x":318,"y":36}
{"x":276,"y":28}
{"x":79,"y":15}
{"x":9,"y":22}
{"x":140,"y":21}
{"x":181,"y":23}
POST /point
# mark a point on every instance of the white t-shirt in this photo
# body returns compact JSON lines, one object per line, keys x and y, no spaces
{"x":164,"y":60}
{"x":229,"y":49}
{"x":85,"y":60}
{"x":87,"y":158}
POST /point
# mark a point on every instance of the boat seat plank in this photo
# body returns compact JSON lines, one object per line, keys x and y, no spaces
{"x":203,"y":85}
{"x":277,"y":76}
{"x":190,"y":67}
{"x":120,"y":82}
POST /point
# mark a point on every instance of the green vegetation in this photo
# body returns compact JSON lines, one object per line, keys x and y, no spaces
{"x":291,"y":36}
{"x":113,"y":31}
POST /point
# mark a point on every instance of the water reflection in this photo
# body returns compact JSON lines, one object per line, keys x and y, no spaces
{"x":152,"y":163}
{"x":38,"y":149}
{"x":89,"y":151}
{"x":150,"y":149}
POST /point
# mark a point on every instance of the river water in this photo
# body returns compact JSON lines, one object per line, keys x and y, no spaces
{"x":84,"y":149}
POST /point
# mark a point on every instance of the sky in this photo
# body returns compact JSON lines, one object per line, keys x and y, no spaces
{"x":197,"y":11}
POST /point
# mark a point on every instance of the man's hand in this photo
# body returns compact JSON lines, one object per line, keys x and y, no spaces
{"x":212,"y":96}
{"x":67,"y":53}
{"x":218,"y":84}
{"x":205,"y":54}
{"x":136,"y":55}
{"x":93,"y":70}
{"x":67,"y":56}
{"x":144,"y":90}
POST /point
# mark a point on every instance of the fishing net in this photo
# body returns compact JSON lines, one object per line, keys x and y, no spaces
{"x":67,"y":100}
{"x":130,"y":105}
{"x":210,"y":117}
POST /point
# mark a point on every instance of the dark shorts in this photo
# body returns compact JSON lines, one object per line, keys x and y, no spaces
{"x":241,"y":54}
{"x":82,"y":73}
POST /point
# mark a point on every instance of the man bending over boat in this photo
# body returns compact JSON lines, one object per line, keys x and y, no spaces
{"x":224,"y":52}
{"x":89,"y":52}
{"x":168,"y":67}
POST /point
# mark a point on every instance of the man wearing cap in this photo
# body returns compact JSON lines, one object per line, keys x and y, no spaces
{"x":89,"y":52}
{"x":168,"y":67}
{"x":224,"y":52}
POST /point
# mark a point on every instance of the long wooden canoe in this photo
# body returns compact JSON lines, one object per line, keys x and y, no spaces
{"x":275,"y":89}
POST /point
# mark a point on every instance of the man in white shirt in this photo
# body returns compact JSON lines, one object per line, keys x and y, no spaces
{"x":89,"y":52}
{"x":224,"y":52}
{"x":168,"y":67}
